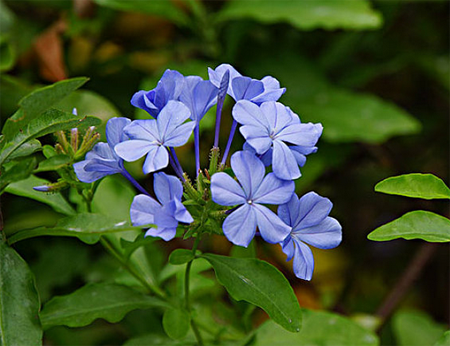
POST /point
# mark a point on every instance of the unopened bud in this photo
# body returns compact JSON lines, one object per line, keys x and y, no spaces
{"x":74,"y":139}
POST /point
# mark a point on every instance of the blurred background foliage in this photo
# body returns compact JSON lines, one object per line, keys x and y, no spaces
{"x":375,"y":74}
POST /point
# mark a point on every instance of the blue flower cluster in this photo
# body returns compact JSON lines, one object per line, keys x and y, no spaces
{"x":274,"y":137}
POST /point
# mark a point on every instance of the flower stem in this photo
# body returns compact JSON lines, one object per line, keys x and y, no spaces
{"x":230,"y":139}
{"x":223,"y":88}
{"x":138,"y":186}
{"x":176,"y":164}
{"x":197,"y":148}
{"x":186,"y":293}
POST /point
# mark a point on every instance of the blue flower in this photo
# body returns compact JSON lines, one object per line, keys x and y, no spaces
{"x":252,"y":190}
{"x":151,"y":137}
{"x":199,"y":96}
{"x":102,"y":160}
{"x":165,"y":214}
{"x":311,"y":225}
{"x":273,"y":126}
{"x":246,"y":88}
{"x":168,"y":88}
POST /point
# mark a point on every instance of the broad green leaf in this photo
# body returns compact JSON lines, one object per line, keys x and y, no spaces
{"x":306,"y":15}
{"x":261,"y":284}
{"x":415,"y":328}
{"x":87,"y":227}
{"x":104,"y":300}
{"x":39,"y":101}
{"x":25,"y":149}
{"x":165,"y":9}
{"x":417,"y":224}
{"x":319,"y":328}
{"x":181,"y":256}
{"x":53,"y":163}
{"x":16,"y":171}
{"x":24,"y":188}
{"x":444,"y":340}
{"x":19,"y":301}
{"x":50,"y":121}
{"x":176,"y":323}
{"x":416,"y":185}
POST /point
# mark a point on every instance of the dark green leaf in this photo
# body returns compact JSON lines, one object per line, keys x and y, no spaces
{"x":319,"y":328}
{"x":85,"y":226}
{"x":416,"y":185}
{"x":25,"y":149}
{"x":306,"y":15}
{"x":55,"y":200}
{"x":415,"y":328}
{"x":417,"y":224}
{"x":165,"y":9}
{"x":261,"y":284}
{"x":108,"y":301}
{"x":176,"y":323}
{"x":16,"y":171}
{"x":19,"y":301}
{"x":130,"y":246}
{"x":181,"y":256}
{"x":53,"y":163}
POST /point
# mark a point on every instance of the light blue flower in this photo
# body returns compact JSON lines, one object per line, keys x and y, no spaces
{"x":151,"y":137}
{"x":168,"y":88}
{"x":102,"y":160}
{"x":165,"y":213}
{"x":273,"y":126}
{"x":253,"y":190}
{"x":198,"y":95}
{"x":246,"y":88}
{"x":308,"y":217}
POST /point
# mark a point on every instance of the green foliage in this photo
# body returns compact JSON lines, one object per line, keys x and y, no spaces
{"x":261,"y":284}
{"x":415,"y":185}
{"x":16,"y":170}
{"x":104,"y":300}
{"x":444,"y":340}
{"x":181,"y":256}
{"x":417,"y":224}
{"x":176,"y":323}
{"x":19,"y":301}
{"x":306,"y":15}
{"x":319,"y":328}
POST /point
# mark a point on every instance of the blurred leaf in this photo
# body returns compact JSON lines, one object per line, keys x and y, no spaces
{"x":25,"y":149}
{"x":7,"y":18}
{"x":415,"y":328}
{"x":16,"y":171}
{"x":53,"y":163}
{"x":165,"y":9}
{"x":24,"y":188}
{"x":444,"y":340}
{"x":104,"y":300}
{"x":261,"y":284}
{"x":170,"y":270}
{"x":7,"y":55}
{"x":416,"y":185}
{"x":319,"y":328}
{"x":417,"y":224}
{"x":181,"y":256}
{"x":130,"y":246}
{"x":306,"y":15}
{"x":19,"y":301}
{"x":12,"y":90}
{"x":85,"y":226}
{"x":176,"y":323}
{"x":155,"y":339}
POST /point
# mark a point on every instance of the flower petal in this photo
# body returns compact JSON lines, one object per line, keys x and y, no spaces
{"x":288,"y":212}
{"x":249,"y":170}
{"x":273,"y":190}
{"x":146,"y":130}
{"x":170,"y":117}
{"x":180,"y":135}
{"x":86,"y":176}
{"x":226,"y":191}
{"x":277,"y":115}
{"x":167,"y":187}
{"x":114,"y":130}
{"x":325,"y":235}
{"x":133,"y":149}
{"x":240,"y":226}
{"x":272,"y":229}
{"x":246,"y":88}
{"x":164,"y":233}
{"x":143,"y":209}
{"x":157,"y":158}
{"x":215,"y":76}
{"x":181,"y":214}
{"x":287,"y":246}
{"x":312,"y":210}
{"x":247,"y":113}
{"x":257,"y":137}
{"x":303,"y":261}
{"x":284,"y":164}
{"x":301,"y":134}
{"x":140,"y":100}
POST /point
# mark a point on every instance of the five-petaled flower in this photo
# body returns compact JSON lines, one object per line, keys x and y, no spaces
{"x":165,"y":214}
{"x":253,"y":190}
{"x":308,"y":217}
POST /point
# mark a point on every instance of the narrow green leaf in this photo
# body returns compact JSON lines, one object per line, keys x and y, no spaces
{"x":181,"y":256}
{"x":86,"y":226}
{"x":176,"y":323}
{"x":261,"y":284}
{"x":53,"y":163}
{"x":319,"y":328}
{"x":444,"y":340}
{"x":416,"y":185}
{"x":24,"y":188}
{"x":415,"y":328}
{"x":19,"y":301}
{"x":105,"y":300}
{"x":417,"y":224}
{"x":306,"y":15}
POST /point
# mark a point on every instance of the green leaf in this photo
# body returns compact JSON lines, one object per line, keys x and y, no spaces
{"x":7,"y":55}
{"x":53,"y":163}
{"x":319,"y":328}
{"x":87,"y":227}
{"x":176,"y":323}
{"x":165,"y":9}
{"x":415,"y":328}
{"x":444,"y":340}
{"x":16,"y":171}
{"x":25,"y":149}
{"x":50,"y":121}
{"x":181,"y":256}
{"x":24,"y":188}
{"x":19,"y":301}
{"x":261,"y":284}
{"x":105,"y":300}
{"x":306,"y":15}
{"x":417,"y":224}
{"x":38,"y":102}
{"x":416,"y":185}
